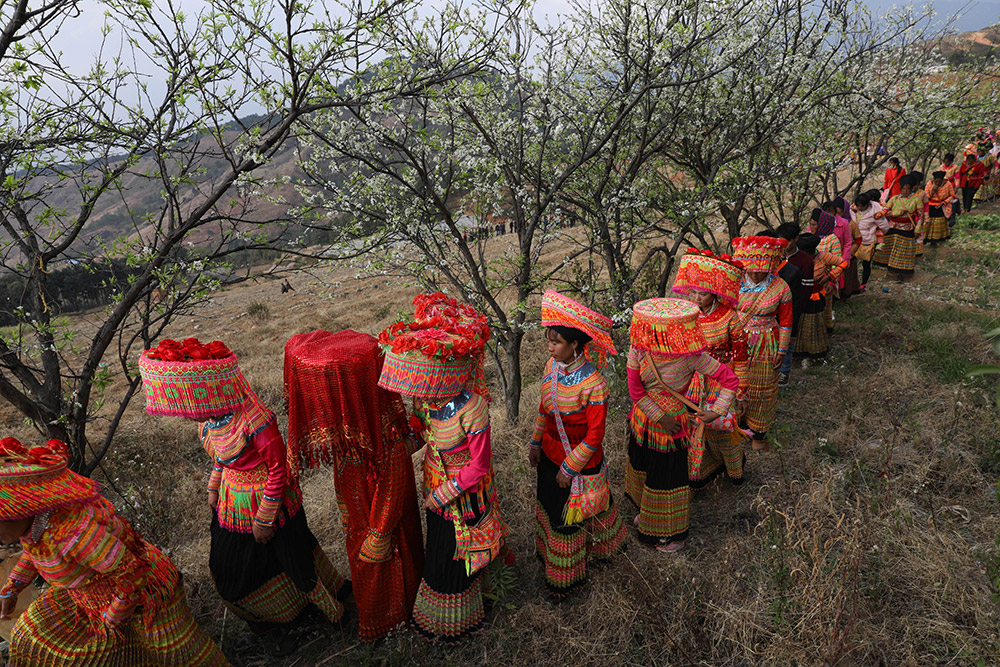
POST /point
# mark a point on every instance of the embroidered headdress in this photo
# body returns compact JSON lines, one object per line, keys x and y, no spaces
{"x":439,"y":353}
{"x":559,"y":310}
{"x":204,"y":382}
{"x":666,"y":326}
{"x":759,"y":253}
{"x":35,"y":480}
{"x":701,"y":270}
{"x":336,"y":410}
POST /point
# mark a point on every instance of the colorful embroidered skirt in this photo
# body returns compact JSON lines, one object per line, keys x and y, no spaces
{"x":54,"y":631}
{"x":449,"y":603}
{"x":762,"y":392}
{"x":814,"y":340}
{"x":564,"y":549}
{"x":657,"y":482}
{"x":723,"y":453}
{"x":270,"y":584}
{"x":904,"y":251}
{"x":937,"y":225}
{"x":883,"y":251}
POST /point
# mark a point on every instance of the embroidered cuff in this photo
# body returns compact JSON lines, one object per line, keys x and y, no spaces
{"x":445,"y":494}
{"x":535,"y":444}
{"x":215,"y":479}
{"x":12,"y":588}
{"x":652,"y":410}
{"x":577,"y":459}
{"x":268,"y":510}
{"x":723,"y":404}
{"x":376,"y":548}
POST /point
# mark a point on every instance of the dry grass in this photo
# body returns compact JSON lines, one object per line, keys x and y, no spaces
{"x":864,"y":539}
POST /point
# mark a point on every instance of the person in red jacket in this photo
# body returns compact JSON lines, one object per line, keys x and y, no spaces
{"x":890,"y":185}
{"x":970,"y":178}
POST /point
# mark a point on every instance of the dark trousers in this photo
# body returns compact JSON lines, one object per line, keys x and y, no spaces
{"x":866,"y":271}
{"x":968,"y":193}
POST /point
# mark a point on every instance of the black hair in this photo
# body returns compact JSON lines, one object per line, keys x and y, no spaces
{"x":816,"y":212}
{"x":908,"y":179}
{"x":862,"y":201}
{"x":949,"y":157}
{"x":918,"y":177}
{"x":894,"y":160}
{"x":808,"y":242}
{"x":829,"y":207}
{"x":571,"y":335}
{"x":768,"y":233}
{"x":972,"y":155}
{"x":789,"y":230}
{"x":874,"y":195}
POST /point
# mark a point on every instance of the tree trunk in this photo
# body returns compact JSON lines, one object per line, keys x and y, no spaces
{"x":512,"y":391}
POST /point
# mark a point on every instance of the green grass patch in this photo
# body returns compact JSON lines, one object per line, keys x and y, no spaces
{"x":941,"y":337}
{"x":988,"y":222}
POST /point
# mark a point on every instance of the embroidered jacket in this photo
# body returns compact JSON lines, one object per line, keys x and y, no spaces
{"x":98,"y":557}
{"x":250,"y":473}
{"x":651,"y":402}
{"x":582,"y":401}
{"x":766,"y":312}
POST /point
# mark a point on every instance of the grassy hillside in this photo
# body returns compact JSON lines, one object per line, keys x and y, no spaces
{"x":867,"y":535}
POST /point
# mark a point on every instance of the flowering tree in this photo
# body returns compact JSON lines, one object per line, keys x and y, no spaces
{"x":518,"y":141}
{"x":162,"y":110}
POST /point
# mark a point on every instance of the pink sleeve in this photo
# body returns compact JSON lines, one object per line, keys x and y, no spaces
{"x":636,"y":389}
{"x":725,"y":376}
{"x":271,"y":448}
{"x":481,"y":451}
{"x":846,"y":241}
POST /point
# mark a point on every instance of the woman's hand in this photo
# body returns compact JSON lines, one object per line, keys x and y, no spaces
{"x":213,"y":499}
{"x":534,"y":456}
{"x":780,"y":359}
{"x":670,"y":425}
{"x":707,"y":416}
{"x":262,"y":534}
{"x":7,"y":605}
{"x":563,"y":479}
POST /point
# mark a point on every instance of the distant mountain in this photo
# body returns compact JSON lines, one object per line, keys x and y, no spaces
{"x":973,"y":45}
{"x":969,"y":16}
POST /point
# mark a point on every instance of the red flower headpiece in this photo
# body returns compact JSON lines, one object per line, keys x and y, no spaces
{"x":189,"y":349}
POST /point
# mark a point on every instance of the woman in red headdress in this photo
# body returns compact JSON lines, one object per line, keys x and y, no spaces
{"x":266,"y":564}
{"x":339,"y":416}
{"x":713,"y":284}
{"x":666,"y":350}
{"x":575,"y":515}
{"x":113,"y":598}
{"x":437,"y":360}
{"x":766,"y":313}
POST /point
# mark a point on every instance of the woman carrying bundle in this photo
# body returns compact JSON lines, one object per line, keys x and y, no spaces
{"x":575,"y":514}
{"x":437,"y":360}
{"x":667,"y":349}
{"x":266,"y":564}
{"x":713,"y":284}
{"x":113,"y":598}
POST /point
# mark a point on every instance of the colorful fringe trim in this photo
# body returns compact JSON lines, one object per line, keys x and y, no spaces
{"x":449,"y":618}
{"x":55,"y":632}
